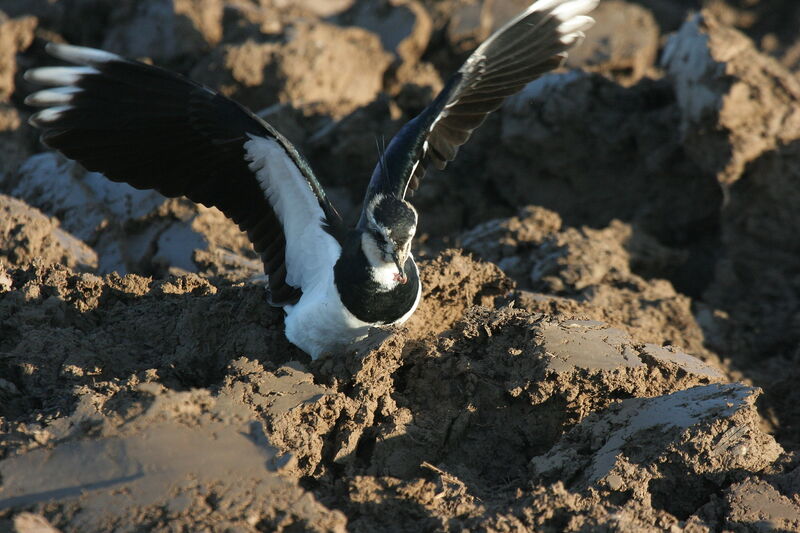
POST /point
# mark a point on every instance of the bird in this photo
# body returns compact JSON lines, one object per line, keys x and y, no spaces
{"x":335,"y":281}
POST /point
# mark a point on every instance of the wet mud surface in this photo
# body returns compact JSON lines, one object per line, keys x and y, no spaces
{"x":610,"y":327}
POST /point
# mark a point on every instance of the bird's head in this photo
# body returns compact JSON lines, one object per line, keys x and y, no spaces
{"x":391,"y":224}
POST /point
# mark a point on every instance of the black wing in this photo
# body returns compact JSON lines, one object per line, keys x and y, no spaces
{"x":530,"y":45}
{"x":155,"y":129}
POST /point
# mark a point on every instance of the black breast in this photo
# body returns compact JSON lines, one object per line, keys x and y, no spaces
{"x":359,"y":292}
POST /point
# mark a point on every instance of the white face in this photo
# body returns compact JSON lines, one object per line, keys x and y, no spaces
{"x":384,"y":269}
{"x":386,"y":248}
{"x":380,"y":248}
{"x":385,"y":242}
{"x":377,"y":253}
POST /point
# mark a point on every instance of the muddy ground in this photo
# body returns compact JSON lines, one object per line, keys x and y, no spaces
{"x":609,"y":338}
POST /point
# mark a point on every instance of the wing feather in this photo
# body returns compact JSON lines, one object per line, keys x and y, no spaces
{"x":531,"y":44}
{"x":155,"y":129}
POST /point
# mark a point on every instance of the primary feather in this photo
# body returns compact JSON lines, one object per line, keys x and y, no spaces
{"x":533,"y":43}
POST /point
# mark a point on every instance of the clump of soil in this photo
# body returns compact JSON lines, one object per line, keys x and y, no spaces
{"x":592,"y":274}
{"x":587,"y":357}
{"x":116,"y":365}
{"x":27,"y":235}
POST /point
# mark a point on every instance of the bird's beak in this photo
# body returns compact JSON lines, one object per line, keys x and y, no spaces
{"x":400,"y":260}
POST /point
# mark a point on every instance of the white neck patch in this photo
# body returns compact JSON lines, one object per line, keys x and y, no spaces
{"x":382,"y":272}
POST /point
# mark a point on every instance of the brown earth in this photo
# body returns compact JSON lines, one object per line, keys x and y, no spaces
{"x":608,"y":338}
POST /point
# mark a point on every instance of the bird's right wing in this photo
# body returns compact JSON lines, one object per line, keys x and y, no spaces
{"x":154,"y":129}
{"x":531,"y":44}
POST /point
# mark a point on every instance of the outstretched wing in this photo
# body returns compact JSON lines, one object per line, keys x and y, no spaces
{"x":533,"y":43}
{"x":155,"y":129}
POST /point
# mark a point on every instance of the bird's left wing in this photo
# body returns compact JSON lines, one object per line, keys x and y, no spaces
{"x":531,"y":44}
{"x":155,"y":129}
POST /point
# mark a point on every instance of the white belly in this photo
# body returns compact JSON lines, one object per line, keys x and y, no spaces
{"x":319,"y":323}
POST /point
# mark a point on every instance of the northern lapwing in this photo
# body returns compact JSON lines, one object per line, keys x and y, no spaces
{"x":155,"y":129}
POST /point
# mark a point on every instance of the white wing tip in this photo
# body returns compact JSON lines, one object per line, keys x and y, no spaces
{"x":52,"y":97}
{"x":58,"y":75}
{"x":47,"y":116}
{"x":576,"y":23}
{"x":573,"y":39}
{"x":565,"y":10}
{"x":80,"y":55}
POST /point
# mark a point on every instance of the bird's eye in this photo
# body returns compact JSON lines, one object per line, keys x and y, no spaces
{"x":380,"y":240}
